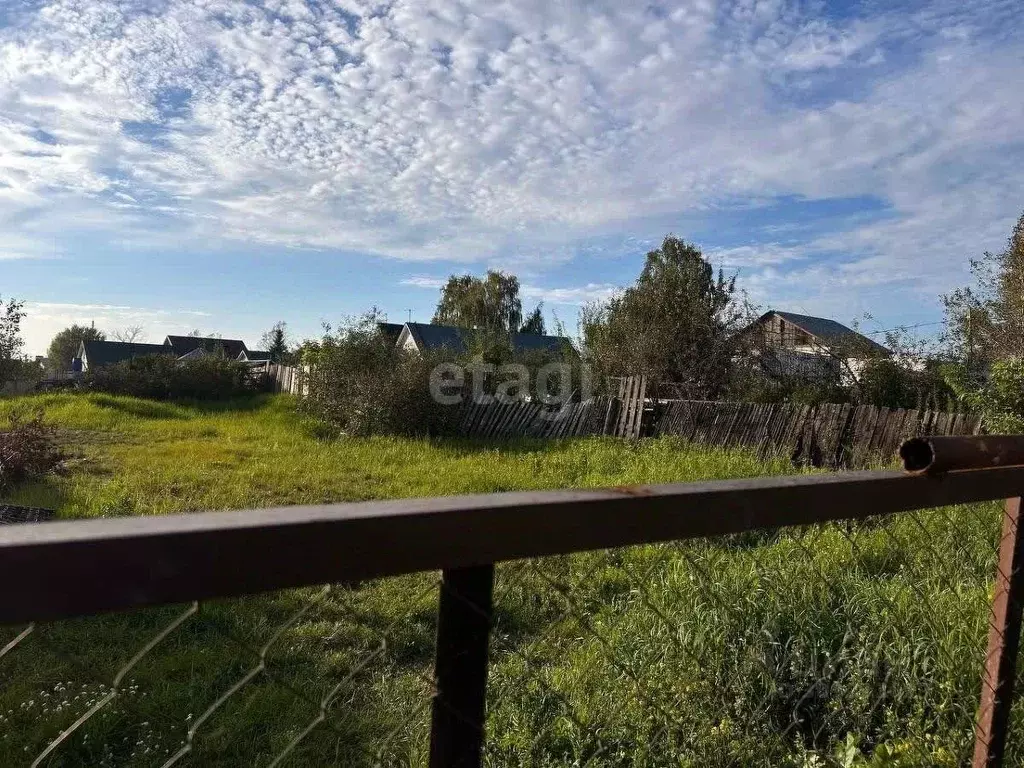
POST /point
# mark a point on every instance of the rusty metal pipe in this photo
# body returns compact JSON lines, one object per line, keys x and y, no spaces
{"x":934,"y":455}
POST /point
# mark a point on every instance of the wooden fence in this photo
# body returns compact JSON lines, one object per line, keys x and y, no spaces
{"x":494,"y":420}
{"x":829,"y":435}
{"x":287,"y":378}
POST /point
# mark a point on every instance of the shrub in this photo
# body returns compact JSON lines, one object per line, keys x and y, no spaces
{"x":358,"y":384}
{"x":161,"y":377}
{"x":28,"y":448}
{"x":999,"y":397}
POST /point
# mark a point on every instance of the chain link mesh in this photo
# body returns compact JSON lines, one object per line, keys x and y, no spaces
{"x":824,"y":645}
{"x":338,"y":675}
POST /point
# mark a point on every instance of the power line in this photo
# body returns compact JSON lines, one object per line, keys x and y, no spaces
{"x":903,"y":328}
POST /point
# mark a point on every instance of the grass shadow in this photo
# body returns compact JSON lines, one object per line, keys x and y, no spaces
{"x":142,"y":409}
{"x":239,"y":405}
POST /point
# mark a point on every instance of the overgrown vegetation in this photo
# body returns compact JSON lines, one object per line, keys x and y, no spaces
{"x":360,"y":384}
{"x":984,"y":336}
{"x":844,"y":645}
{"x":162,"y":377}
{"x":28,"y":447}
{"x":11,"y":362}
{"x":678,"y":323}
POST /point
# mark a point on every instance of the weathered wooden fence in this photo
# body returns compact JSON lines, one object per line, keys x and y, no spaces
{"x":519,"y":419}
{"x":287,"y":378}
{"x":828,"y":435}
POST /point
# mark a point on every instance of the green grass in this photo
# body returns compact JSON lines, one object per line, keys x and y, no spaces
{"x":806,"y":647}
{"x":135,"y":457}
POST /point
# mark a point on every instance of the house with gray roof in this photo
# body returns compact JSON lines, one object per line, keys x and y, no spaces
{"x":424,"y":337}
{"x":809,"y":347}
{"x":253,"y":356}
{"x":95,"y":354}
{"x":188,"y":345}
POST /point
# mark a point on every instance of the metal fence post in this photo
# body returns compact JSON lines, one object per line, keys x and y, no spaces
{"x":463,"y":631}
{"x":1003,"y":642}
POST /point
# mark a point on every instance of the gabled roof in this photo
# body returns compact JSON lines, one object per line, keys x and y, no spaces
{"x":106,"y":352}
{"x":253,"y":355}
{"x":529,"y":342}
{"x":182,"y":345}
{"x":390,"y":331}
{"x":827,"y":331}
{"x":429,"y":336}
{"x":436,"y":337}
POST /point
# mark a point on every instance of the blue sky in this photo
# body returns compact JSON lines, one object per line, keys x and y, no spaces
{"x":224,"y":164}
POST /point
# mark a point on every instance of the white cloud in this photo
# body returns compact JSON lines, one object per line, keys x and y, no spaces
{"x":437,"y":129}
{"x":433,"y":283}
{"x":571,"y":296}
{"x":762,"y":255}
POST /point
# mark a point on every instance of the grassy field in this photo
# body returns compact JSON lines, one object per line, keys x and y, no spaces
{"x":833,"y":645}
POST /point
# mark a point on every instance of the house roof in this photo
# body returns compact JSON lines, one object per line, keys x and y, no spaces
{"x":182,"y":345}
{"x":106,"y":352}
{"x":430,"y":336}
{"x":529,"y":342}
{"x":828,"y":331}
{"x":390,"y":331}
{"x":254,"y":355}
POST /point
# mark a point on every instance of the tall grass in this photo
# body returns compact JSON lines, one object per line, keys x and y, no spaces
{"x":828,"y":645}
{"x":138,"y":457}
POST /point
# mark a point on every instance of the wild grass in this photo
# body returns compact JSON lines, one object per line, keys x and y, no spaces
{"x":830,"y":645}
{"x":137,"y":457}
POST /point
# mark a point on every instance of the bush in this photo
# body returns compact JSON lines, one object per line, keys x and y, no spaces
{"x":886,"y":383}
{"x":359,"y":384}
{"x":161,"y":377}
{"x":999,"y":397}
{"x":28,"y":448}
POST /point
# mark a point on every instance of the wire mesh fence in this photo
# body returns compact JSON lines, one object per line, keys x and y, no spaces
{"x":824,"y":645}
{"x":339,"y":675}
{"x":835,"y":644}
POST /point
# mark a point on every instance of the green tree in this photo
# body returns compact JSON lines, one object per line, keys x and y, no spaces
{"x":64,"y":346}
{"x":534,"y":322}
{"x":985,"y":321}
{"x":276,"y":342}
{"x":491,"y":303}
{"x":677,"y":323}
{"x":11,"y":315}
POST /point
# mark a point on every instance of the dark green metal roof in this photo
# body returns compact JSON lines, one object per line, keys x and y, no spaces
{"x":99,"y":353}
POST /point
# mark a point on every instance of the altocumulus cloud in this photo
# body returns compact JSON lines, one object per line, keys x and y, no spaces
{"x":427,"y":129}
